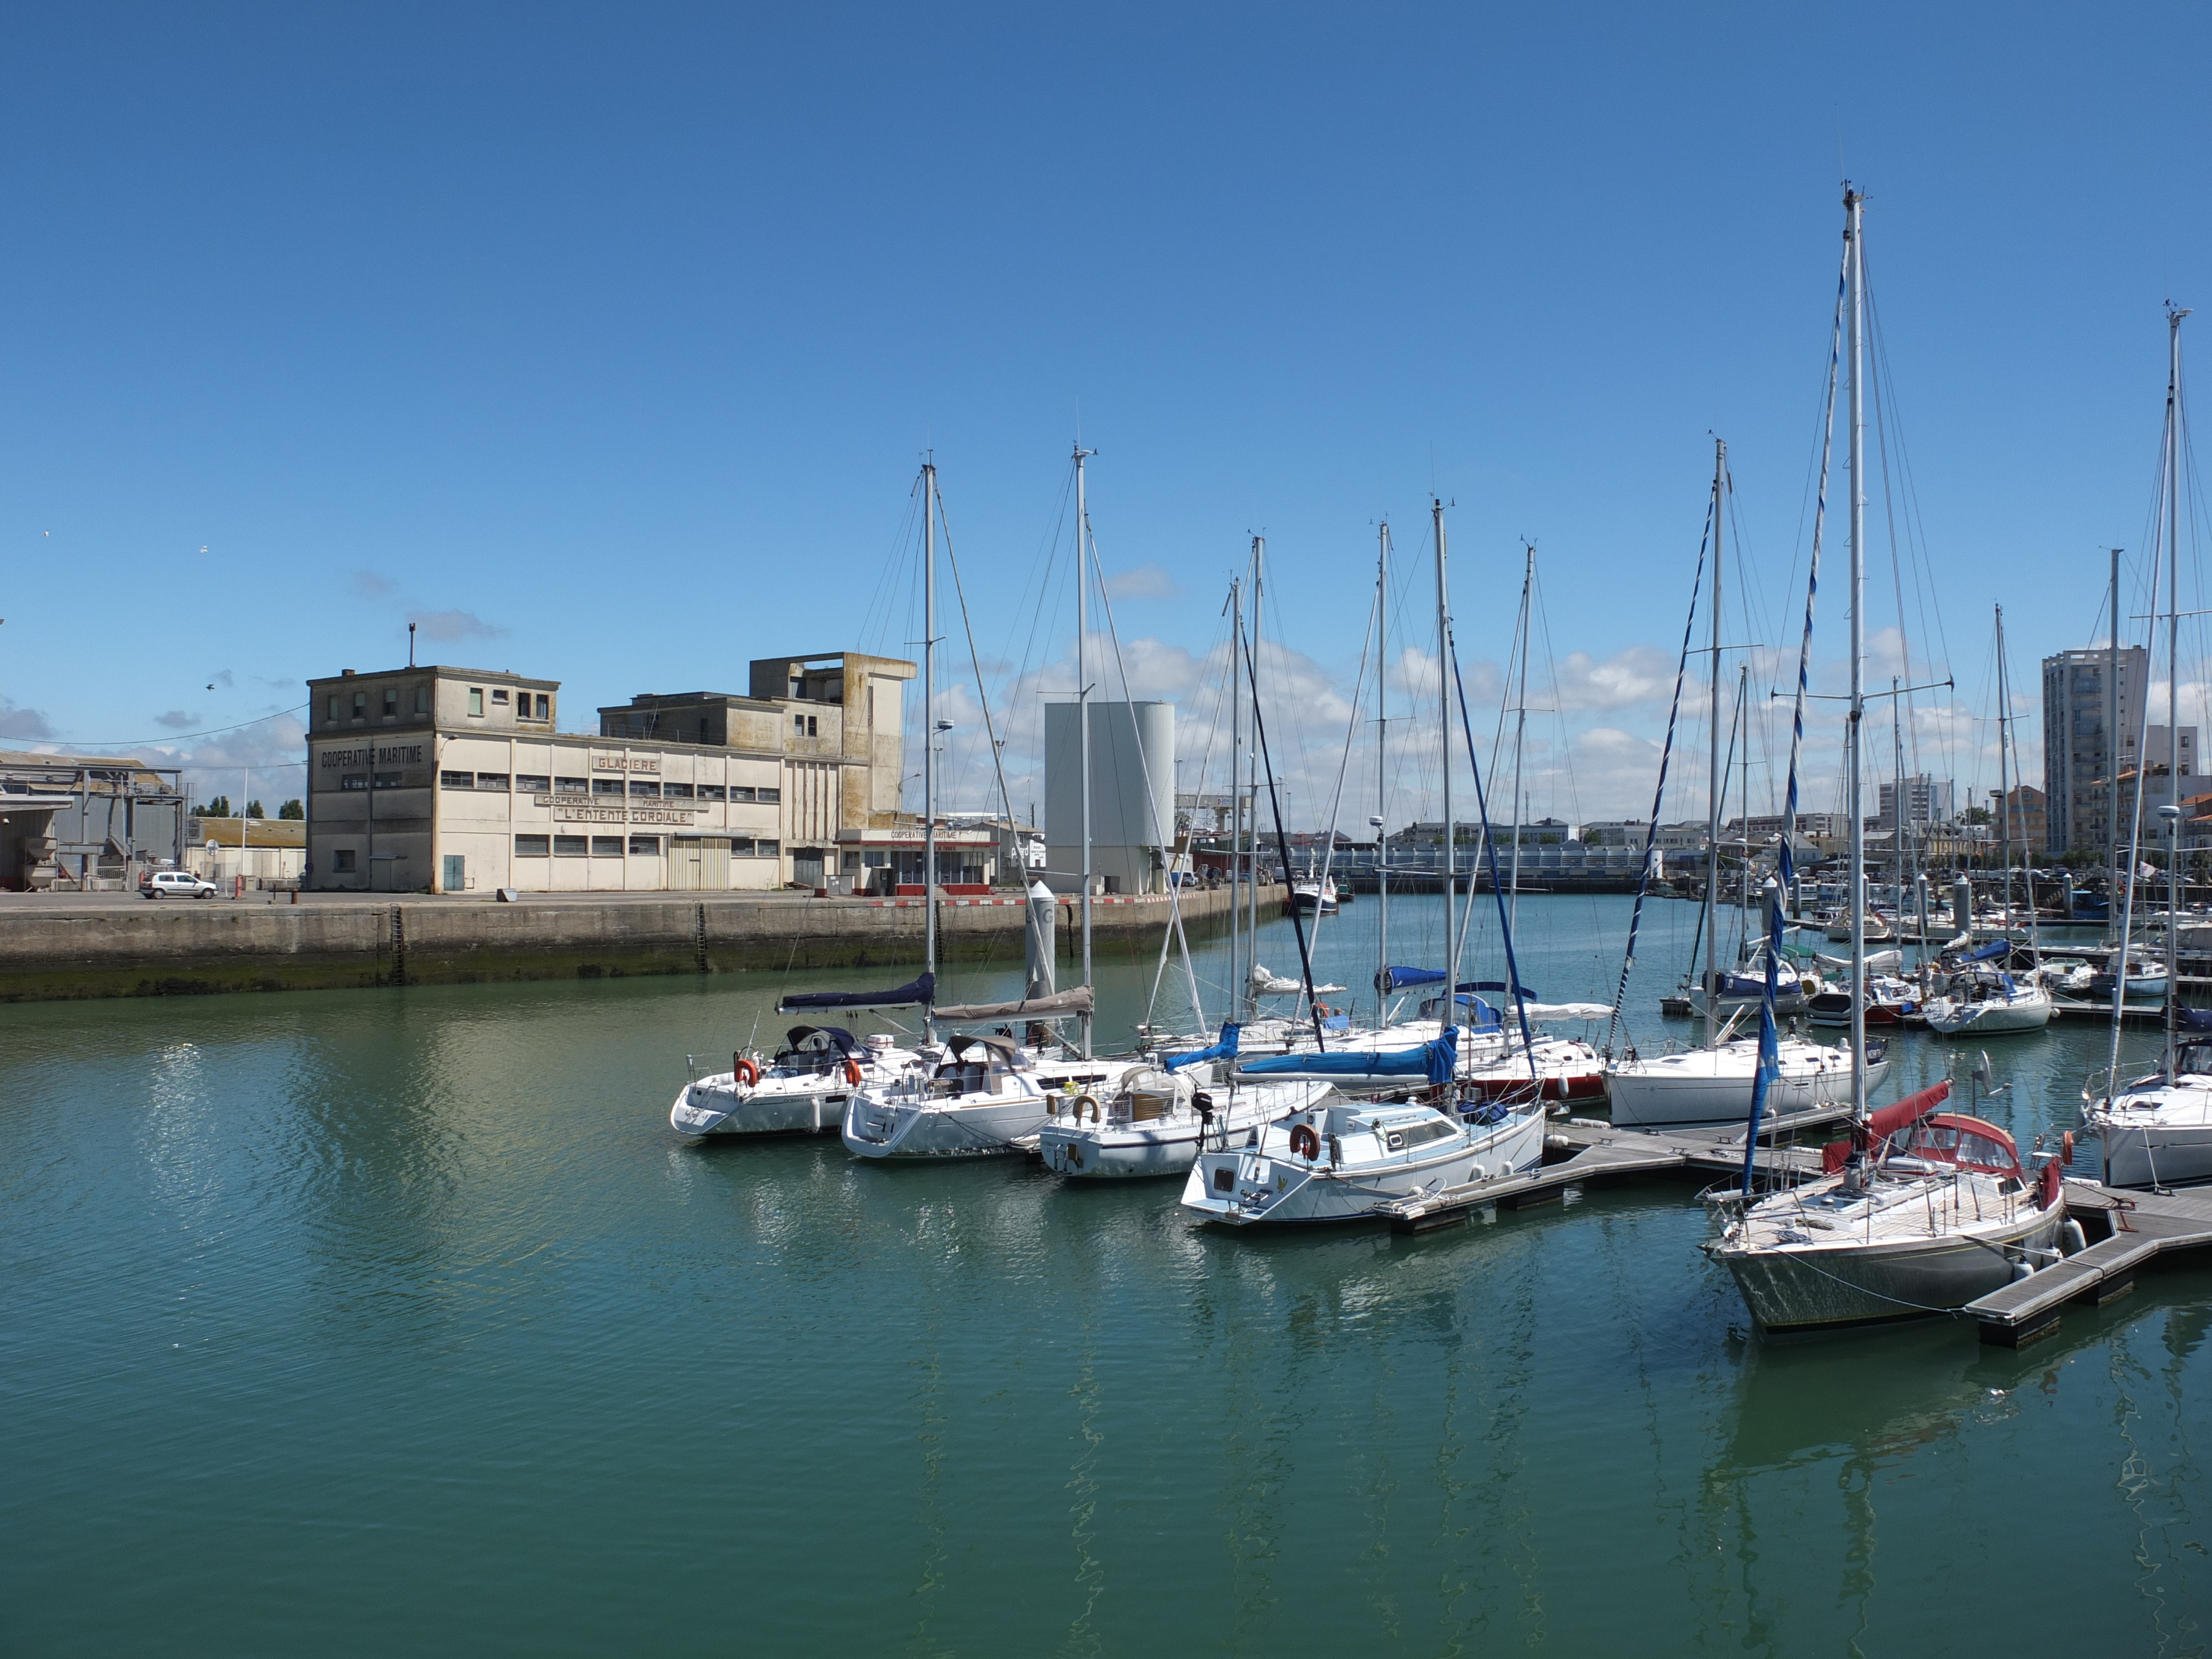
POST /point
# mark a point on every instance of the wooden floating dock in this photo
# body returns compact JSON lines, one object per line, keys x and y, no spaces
{"x":2136,"y":1227}
{"x":1594,"y":1151}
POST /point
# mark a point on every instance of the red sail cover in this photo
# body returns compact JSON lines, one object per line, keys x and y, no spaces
{"x":1885,"y":1123}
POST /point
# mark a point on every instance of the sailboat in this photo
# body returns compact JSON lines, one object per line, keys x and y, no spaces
{"x":2157,"y":1131}
{"x":984,"y":1095}
{"x":1342,"y":1160}
{"x":1918,"y":1211}
{"x":1714,"y":1083}
{"x":1989,"y":1000}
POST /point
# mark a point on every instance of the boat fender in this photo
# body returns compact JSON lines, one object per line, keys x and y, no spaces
{"x":2072,"y":1241}
{"x":2066,"y":1147}
{"x":852,"y":1071}
{"x":2051,"y":1182}
{"x":746,"y":1072}
{"x":1305,"y":1142}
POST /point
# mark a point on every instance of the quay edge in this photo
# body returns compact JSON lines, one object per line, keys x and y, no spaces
{"x":146,"y":949}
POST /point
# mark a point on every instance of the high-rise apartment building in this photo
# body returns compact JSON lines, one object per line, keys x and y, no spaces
{"x":2079,"y":711}
{"x":1926,"y":801}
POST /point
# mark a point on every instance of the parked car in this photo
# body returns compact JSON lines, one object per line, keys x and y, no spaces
{"x":178,"y":883}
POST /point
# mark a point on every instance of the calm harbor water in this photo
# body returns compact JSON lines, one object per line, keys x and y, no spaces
{"x":361,"y":1323}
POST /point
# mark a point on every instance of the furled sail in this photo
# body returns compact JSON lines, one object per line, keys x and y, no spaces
{"x":1077,"y":1000}
{"x":1225,"y":1049}
{"x":918,"y":992}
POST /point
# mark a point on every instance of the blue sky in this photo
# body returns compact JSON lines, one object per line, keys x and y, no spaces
{"x":606,"y":340}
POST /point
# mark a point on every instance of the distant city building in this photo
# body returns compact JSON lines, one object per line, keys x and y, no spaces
{"x":2020,"y":818}
{"x":1926,"y":801}
{"x":2079,"y":714}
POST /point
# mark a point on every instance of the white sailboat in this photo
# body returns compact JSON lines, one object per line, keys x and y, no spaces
{"x":1157,"y":1119}
{"x":803,"y":1089}
{"x":1918,"y":1212}
{"x":1713,"y":1084}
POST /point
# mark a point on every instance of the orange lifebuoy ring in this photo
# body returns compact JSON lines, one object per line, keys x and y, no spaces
{"x":746,"y":1072}
{"x":1324,"y":1010}
{"x":852,"y":1071}
{"x":1305,"y":1142}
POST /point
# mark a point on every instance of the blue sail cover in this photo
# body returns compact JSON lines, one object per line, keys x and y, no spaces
{"x":1498,"y":985}
{"x":922,"y":991}
{"x":1989,"y":952}
{"x":1225,"y":1049}
{"x":1435,"y":1061}
{"x":1398,"y":979}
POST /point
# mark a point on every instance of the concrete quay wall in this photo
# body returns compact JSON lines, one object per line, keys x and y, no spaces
{"x":157,"y":950}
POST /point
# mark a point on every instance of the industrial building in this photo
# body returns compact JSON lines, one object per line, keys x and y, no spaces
{"x":453,"y":779}
{"x":84,"y":822}
{"x":1133,"y":799}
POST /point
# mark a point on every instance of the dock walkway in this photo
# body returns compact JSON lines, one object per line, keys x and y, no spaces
{"x":2139,"y":1225}
{"x":1595,"y":1152}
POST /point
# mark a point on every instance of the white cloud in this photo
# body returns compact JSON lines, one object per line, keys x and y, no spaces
{"x":449,"y":625}
{"x":23,"y":723}
{"x":1147,"y":581}
{"x":176,"y":719}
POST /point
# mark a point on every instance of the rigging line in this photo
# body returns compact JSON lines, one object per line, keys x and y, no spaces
{"x":1351,"y":736}
{"x":885,"y":584}
{"x":183,"y":737}
{"x":967,"y":623}
{"x":1283,"y":846}
{"x":1165,"y":832}
{"x":1514,"y":988}
{"x":1659,"y":793}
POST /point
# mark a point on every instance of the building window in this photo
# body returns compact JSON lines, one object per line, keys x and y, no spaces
{"x":499,"y":693}
{"x":570,"y":846}
{"x":766,"y":849}
{"x":640,"y":786}
{"x":606,"y":785}
{"x":645,"y":847}
{"x":387,"y":780}
{"x":529,"y":783}
{"x":392,"y":702}
{"x":606,"y":847}
{"x":811,"y":726}
{"x":741,"y":847}
{"x":703,"y":728}
{"x":532,"y":847}
{"x":476,"y":700}
{"x":360,"y":705}
{"x":354,"y":781}
{"x":777,"y":795}
{"x":712,"y":792}
{"x":738,"y":791}
{"x":341,"y":861}
{"x":456,"y":779}
{"x":569,"y":786}
{"x":798,"y":726}
{"x":331,"y":708}
{"x":421,"y":698}
{"x":878,"y":860}
{"x":491,"y":780}
{"x":676,"y":790}
{"x":544,"y":702}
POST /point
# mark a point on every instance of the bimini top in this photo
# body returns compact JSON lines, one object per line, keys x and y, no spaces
{"x":1004,"y":1047}
{"x":835,"y":1037}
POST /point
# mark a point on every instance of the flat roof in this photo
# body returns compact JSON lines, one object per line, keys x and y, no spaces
{"x":505,"y":675}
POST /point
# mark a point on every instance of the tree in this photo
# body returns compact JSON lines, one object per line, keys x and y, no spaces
{"x":292,"y":809}
{"x":1975,"y":815}
{"x":253,"y":810}
{"x":217,"y":808}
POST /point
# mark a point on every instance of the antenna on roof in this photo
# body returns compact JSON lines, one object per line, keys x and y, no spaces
{"x":411,"y":645}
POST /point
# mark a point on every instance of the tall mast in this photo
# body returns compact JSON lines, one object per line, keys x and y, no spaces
{"x":1854,"y":233}
{"x":928,"y":719}
{"x":1252,"y":667}
{"x":1382,"y":763}
{"x":2112,"y":755}
{"x":1236,"y":998}
{"x":1083,"y":703}
{"x":1717,"y":782}
{"x":1897,"y":812}
{"x":2005,"y":784}
{"x":2174,"y":316}
{"x":1520,"y":730}
{"x":1443,"y":728}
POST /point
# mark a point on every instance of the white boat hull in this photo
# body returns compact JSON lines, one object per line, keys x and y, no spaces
{"x":1826,"y":1285}
{"x":2157,"y":1155}
{"x":1248,"y":1188}
{"x":720,"y":1106}
{"x":926,"y":1129}
{"x":1948,"y":1018}
{"x":1690,"y":1088}
{"x":1167,"y":1146}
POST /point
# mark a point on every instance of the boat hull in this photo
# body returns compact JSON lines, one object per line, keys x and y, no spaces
{"x":714,"y":1106}
{"x":2157,"y":1155}
{"x":1137,"y":1151}
{"x":929,"y":1129}
{"x":1245,"y":1188}
{"x":1823,"y":1288}
{"x":1651,"y":1096}
{"x":1991,"y":1018}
